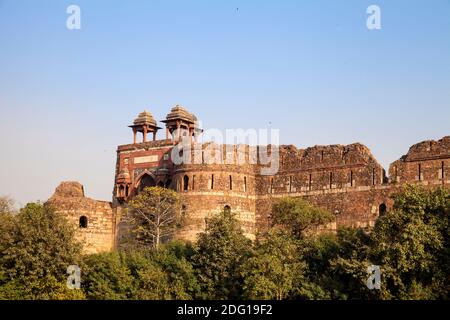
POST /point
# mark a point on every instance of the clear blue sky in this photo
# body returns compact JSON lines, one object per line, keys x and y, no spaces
{"x":312,"y":69}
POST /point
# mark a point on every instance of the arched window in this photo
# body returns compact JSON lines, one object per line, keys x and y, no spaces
{"x":121,"y":191}
{"x":83,"y":222}
{"x":382,"y":209}
{"x":185,"y":183}
{"x":146,"y":181}
{"x":227,"y":209}
{"x":183,"y":211}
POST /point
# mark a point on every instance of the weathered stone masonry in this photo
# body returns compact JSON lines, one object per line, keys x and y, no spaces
{"x":346,"y":180}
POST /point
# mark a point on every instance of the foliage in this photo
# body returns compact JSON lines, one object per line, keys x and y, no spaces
{"x":6,"y":205}
{"x":37,"y":246}
{"x":298,"y":216}
{"x":219,"y":255}
{"x":141,"y":275}
{"x":410,"y":243}
{"x":275,"y":269}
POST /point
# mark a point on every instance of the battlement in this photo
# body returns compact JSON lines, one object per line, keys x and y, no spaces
{"x":426,"y":163}
{"x":429,"y":150}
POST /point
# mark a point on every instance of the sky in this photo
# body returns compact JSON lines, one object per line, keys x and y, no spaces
{"x":311,"y":69}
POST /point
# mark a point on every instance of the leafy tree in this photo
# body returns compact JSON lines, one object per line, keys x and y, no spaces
{"x":175,"y":260}
{"x":219,"y":254}
{"x":275,"y":270}
{"x":298,"y":216}
{"x":105,"y":276}
{"x":141,"y":275}
{"x":154,"y":215}
{"x":339,"y":264}
{"x":38,"y":245}
{"x":411,"y":244}
{"x":6,"y":205}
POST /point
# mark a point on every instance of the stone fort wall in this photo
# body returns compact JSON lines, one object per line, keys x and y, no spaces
{"x":346,"y":180}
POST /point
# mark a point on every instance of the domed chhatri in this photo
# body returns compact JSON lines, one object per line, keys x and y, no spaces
{"x":144,"y":123}
{"x":180,"y":113}
{"x":181,"y":122}
{"x":145,"y":118}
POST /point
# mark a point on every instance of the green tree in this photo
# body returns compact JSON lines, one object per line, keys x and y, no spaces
{"x":219,"y":255}
{"x":411,"y":244}
{"x":105,"y":276}
{"x":298,"y":216}
{"x":141,"y":274}
{"x":275,"y":270}
{"x":154,"y":215}
{"x":38,"y":245}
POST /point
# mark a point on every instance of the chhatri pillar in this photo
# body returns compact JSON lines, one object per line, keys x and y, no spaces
{"x":144,"y":123}
{"x":180,"y":123}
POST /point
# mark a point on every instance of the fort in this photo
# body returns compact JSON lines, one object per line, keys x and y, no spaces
{"x":346,"y":180}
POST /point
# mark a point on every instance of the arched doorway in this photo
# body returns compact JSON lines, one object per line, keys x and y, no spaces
{"x":146,"y":181}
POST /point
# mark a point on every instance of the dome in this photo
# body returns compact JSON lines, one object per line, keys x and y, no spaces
{"x":145,"y":118}
{"x":179,"y":112}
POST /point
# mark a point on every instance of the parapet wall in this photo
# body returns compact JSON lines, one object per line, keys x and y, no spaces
{"x":426,"y":163}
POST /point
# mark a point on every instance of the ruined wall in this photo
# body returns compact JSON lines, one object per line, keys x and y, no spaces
{"x":346,"y":180}
{"x":426,"y":163}
{"x":94,"y":220}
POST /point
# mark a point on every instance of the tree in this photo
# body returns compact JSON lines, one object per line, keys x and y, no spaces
{"x":105,"y":276}
{"x":275,"y":269}
{"x":297,"y":216}
{"x":411,"y":244}
{"x":219,"y":255}
{"x":154,"y":215}
{"x":6,"y":205}
{"x":141,"y":274}
{"x":38,"y":245}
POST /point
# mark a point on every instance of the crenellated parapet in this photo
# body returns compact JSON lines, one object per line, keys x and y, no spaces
{"x":426,"y":163}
